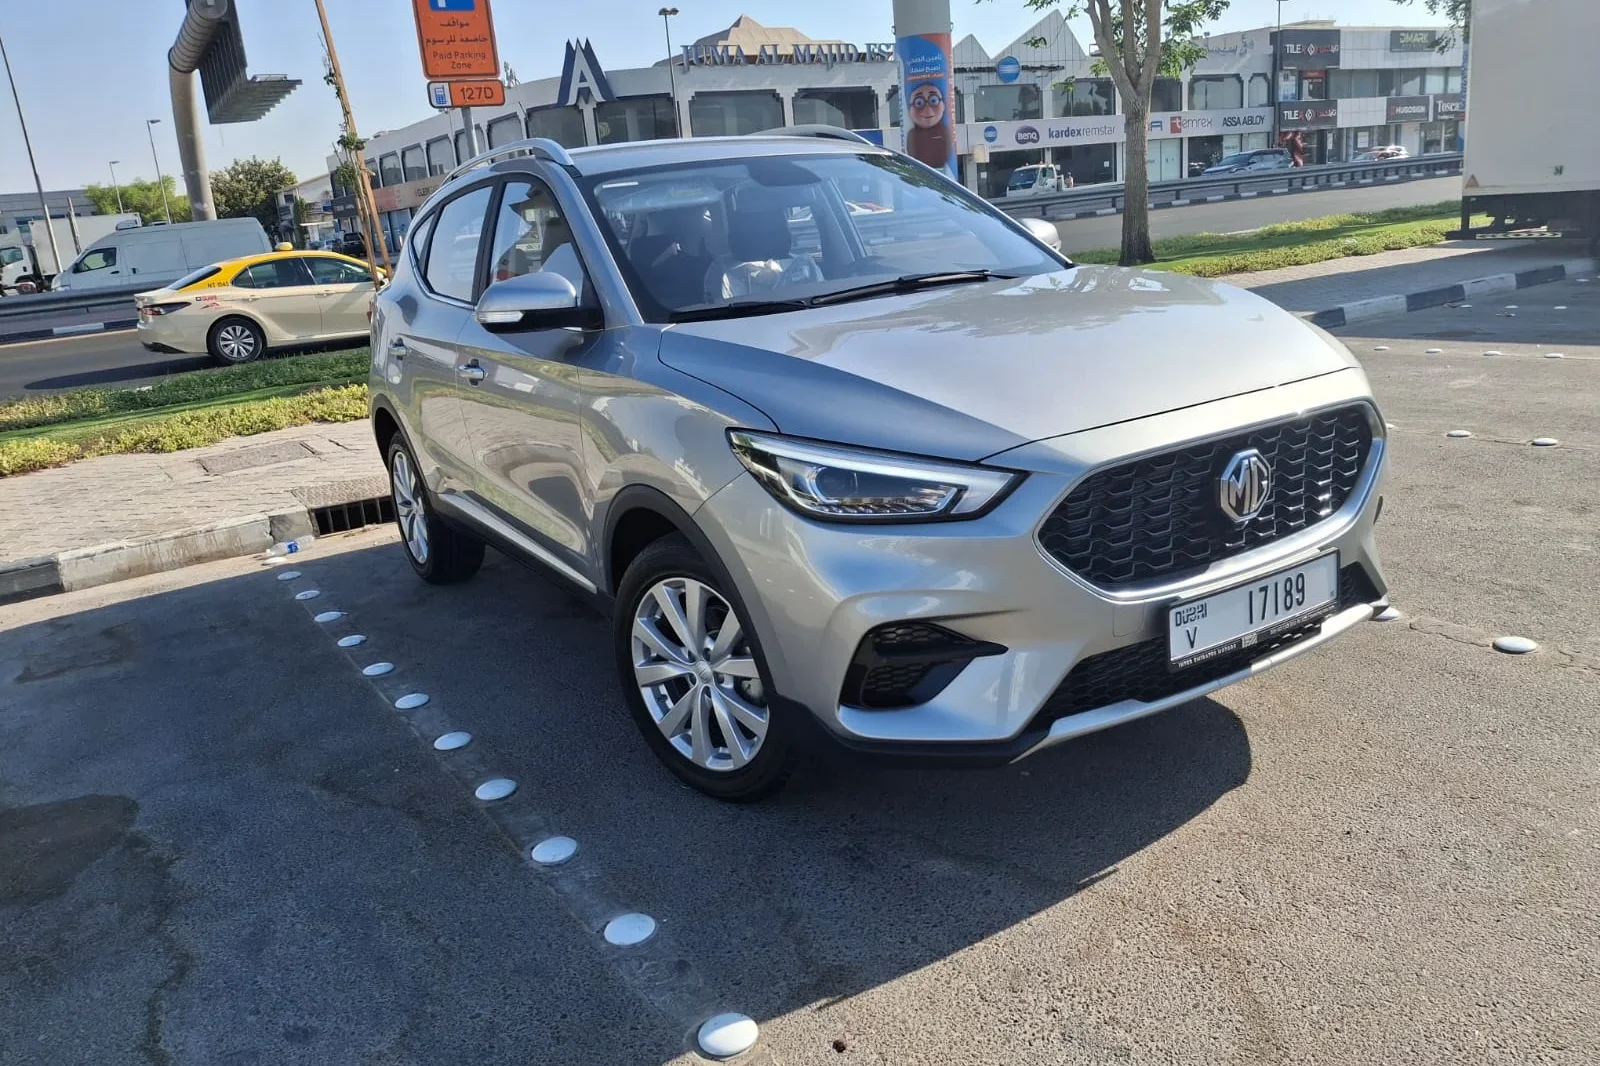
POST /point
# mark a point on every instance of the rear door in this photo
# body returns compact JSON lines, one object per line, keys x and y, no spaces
{"x":344,"y":291}
{"x":280,"y":293}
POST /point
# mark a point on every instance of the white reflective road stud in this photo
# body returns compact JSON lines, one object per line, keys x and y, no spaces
{"x":308,"y":594}
{"x":1432,"y":351}
{"x":553,"y":851}
{"x":1380,"y":347}
{"x":1494,"y":351}
{"x":626,"y":930}
{"x":496,"y":788}
{"x":1459,"y":433}
{"x":378,"y":669}
{"x":1555,"y":355}
{"x":352,"y":640}
{"x":288,"y":575}
{"x":1545,"y":442}
{"x":411,"y":701}
{"x":1514,"y":645}
{"x":452,"y":741}
{"x":727,"y":1035}
{"x":328,"y":616}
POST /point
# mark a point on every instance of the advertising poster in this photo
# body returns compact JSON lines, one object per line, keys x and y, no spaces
{"x":929,"y":121}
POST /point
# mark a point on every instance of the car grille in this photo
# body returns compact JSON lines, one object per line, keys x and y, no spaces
{"x":1140,"y":671}
{"x":1159,"y":517}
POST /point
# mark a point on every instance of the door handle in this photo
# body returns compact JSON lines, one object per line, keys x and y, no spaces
{"x":398,"y":348}
{"x":472,"y":371}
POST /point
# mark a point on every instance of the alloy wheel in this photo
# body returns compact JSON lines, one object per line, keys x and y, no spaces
{"x":237,"y":342}
{"x":409,"y":509}
{"x":694,"y":668}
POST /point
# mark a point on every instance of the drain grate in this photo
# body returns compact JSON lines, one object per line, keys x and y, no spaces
{"x":358,"y":514}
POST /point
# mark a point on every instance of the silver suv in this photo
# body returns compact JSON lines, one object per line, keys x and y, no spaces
{"x":853,"y":460}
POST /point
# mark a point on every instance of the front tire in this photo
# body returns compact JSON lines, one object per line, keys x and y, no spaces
{"x":236,"y":340}
{"x":695,"y":678}
{"x":440,"y":554}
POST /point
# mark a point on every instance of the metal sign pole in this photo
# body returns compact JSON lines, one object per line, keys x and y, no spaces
{"x":472,"y":134}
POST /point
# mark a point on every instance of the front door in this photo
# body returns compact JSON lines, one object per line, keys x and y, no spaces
{"x":520,"y":396}
{"x":344,"y":293}
{"x":279,"y":292}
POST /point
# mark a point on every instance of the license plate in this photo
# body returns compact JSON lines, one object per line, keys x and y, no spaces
{"x":1245,"y":615}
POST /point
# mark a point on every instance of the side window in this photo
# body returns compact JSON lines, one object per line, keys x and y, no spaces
{"x":326,"y":271}
{"x":532,"y":235}
{"x":99,"y":259}
{"x":417,"y":243}
{"x":453,"y":250}
{"x":278,"y":274}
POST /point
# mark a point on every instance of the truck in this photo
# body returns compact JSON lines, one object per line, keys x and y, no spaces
{"x":1532,"y":159}
{"x":33,"y":260}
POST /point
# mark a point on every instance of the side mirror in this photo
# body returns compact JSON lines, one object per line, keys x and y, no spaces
{"x":1043,"y":232}
{"x":529,"y":300}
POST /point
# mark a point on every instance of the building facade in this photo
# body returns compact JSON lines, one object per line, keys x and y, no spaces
{"x":1339,"y":91}
{"x":17,"y":209}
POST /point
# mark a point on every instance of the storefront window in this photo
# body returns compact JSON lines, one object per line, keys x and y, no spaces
{"x":1086,"y":96}
{"x":854,"y":109}
{"x":1216,"y":92}
{"x":1260,"y":94}
{"x":441,"y":157}
{"x":507,"y":129}
{"x":1003,"y":103}
{"x":564,"y":125}
{"x":464,"y":150}
{"x":389,"y":167}
{"x":1440,"y":136}
{"x":1353,"y":84}
{"x":1314,"y":85}
{"x":1409,"y":83}
{"x":411,"y":160}
{"x":733,"y":114}
{"x":1087,"y":164}
{"x":634,"y":118}
{"x":1167,"y":95}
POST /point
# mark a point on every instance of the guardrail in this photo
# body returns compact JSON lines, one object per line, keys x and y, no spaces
{"x":1109,"y":199}
{"x":119,"y":298}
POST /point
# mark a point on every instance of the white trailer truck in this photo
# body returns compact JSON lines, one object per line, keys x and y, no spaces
{"x":1532,"y":156}
{"x":33,"y":260}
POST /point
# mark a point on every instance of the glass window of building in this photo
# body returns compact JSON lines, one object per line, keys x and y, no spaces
{"x":1216,"y":92}
{"x":735,"y":113}
{"x":1003,"y":103}
{"x":389,"y":166}
{"x":854,"y":109}
{"x":564,"y":125}
{"x":896,"y":112}
{"x":441,"y":157}
{"x":412,"y":161}
{"x":1452,"y":80}
{"x":634,"y":118}
{"x":1434,"y":82}
{"x":507,"y":129}
{"x":1410,"y":83}
{"x":1167,"y":95}
{"x":1086,"y":96}
{"x":1260,"y":91}
{"x":374,"y":174}
{"x":1353,"y":84}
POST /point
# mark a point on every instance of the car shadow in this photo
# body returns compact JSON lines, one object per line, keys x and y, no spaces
{"x":121,"y":375}
{"x":854,"y":877}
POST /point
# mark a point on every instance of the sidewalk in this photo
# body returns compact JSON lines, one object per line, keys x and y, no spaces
{"x":1337,"y":282}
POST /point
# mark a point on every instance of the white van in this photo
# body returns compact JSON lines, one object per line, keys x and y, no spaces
{"x":1034,"y":180}
{"x":154,"y":255}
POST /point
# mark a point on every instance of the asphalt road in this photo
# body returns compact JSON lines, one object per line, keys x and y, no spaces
{"x":1106,"y":232}
{"x":219,"y":843}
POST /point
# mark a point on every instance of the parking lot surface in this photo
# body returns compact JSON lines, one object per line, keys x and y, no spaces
{"x":221,"y":843}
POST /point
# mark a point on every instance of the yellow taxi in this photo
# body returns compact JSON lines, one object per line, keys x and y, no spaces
{"x":241,"y":309}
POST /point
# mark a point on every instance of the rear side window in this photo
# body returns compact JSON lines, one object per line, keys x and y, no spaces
{"x":203,"y":274}
{"x":453,"y":248}
{"x":278,"y":274}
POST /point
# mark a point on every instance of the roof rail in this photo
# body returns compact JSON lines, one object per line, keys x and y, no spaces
{"x":836,"y":133}
{"x":538,"y":147}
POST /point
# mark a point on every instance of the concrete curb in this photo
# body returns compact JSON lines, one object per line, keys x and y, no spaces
{"x":1378,"y":306}
{"x":109,"y":326}
{"x":83,"y":568}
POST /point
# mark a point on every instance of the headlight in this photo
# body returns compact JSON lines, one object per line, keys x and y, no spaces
{"x":850,"y":485}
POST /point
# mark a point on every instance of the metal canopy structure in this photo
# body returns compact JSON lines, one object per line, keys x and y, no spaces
{"x":210,"y":41}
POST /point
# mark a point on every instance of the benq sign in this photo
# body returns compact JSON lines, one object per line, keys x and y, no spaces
{"x":1027,"y":135}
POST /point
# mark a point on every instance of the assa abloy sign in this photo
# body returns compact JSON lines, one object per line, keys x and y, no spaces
{"x":1310,"y":116}
{"x":1408,"y":109}
{"x":1309,"y":49}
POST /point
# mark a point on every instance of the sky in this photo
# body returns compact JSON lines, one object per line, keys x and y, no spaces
{"x":90,"y":72}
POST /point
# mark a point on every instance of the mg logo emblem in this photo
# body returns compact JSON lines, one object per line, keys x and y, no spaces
{"x":1244,"y":486}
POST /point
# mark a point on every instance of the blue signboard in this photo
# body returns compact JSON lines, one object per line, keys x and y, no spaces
{"x":453,"y":5}
{"x":1008,"y":69}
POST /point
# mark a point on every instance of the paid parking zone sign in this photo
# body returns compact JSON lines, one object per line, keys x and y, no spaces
{"x":457,"y":40}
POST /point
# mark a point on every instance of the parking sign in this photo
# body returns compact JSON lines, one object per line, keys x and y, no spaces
{"x":457,"y":40}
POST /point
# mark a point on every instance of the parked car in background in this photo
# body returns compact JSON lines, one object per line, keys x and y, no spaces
{"x":1035,"y":180}
{"x":352,"y":244}
{"x":1383,"y":152}
{"x":907,"y":483}
{"x":239,"y":310}
{"x":160,"y":254}
{"x":1258,"y":159}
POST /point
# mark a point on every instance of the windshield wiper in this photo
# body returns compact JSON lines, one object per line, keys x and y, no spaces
{"x":740,"y":309}
{"x":905,"y":283}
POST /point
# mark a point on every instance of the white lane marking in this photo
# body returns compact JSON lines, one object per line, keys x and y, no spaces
{"x":626,"y":930}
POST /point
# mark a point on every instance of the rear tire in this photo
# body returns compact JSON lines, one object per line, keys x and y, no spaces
{"x":440,"y":554}
{"x":692,"y":671}
{"x":236,"y":340}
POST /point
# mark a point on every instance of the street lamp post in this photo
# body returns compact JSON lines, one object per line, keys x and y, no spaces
{"x":150,"y":128}
{"x":115,"y":187}
{"x":38,"y":185}
{"x":667,"y":13}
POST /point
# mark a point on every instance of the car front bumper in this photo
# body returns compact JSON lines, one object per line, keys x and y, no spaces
{"x":814,"y":590}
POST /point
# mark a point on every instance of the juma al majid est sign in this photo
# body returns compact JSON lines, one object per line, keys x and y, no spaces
{"x":925,"y":87}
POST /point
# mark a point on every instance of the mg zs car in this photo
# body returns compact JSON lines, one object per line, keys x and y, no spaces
{"x":905,"y":481}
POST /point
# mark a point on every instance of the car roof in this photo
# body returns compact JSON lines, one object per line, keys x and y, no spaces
{"x":268,"y":257}
{"x":635,"y":155}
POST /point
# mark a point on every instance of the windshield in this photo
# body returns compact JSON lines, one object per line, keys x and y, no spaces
{"x":1022,"y":177}
{"x":10,"y":255}
{"x":784,"y":229}
{"x":194,"y":279}
{"x":1237,"y":159}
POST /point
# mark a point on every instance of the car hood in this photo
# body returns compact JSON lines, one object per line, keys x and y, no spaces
{"x":966,"y":372}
